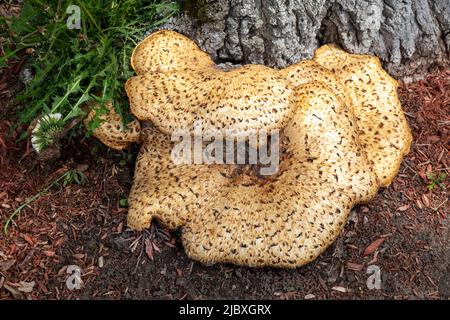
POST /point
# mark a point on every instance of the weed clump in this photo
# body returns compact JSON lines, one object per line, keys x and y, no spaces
{"x":76,"y":62}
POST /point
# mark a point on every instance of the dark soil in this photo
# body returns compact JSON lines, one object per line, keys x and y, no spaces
{"x":404,"y":230}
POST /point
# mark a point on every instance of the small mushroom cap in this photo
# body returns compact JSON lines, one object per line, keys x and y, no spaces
{"x":167,"y":50}
{"x":248,"y":98}
{"x":282,"y":222}
{"x":111,"y":131}
{"x":383,"y":128}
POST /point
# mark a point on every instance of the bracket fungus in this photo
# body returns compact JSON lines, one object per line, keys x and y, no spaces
{"x":343,"y":135}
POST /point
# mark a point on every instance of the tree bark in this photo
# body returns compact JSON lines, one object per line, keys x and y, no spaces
{"x":411,"y":37}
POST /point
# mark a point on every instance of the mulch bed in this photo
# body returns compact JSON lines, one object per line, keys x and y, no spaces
{"x":404,"y":231}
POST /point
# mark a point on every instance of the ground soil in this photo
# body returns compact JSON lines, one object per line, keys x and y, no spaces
{"x":404,"y":231}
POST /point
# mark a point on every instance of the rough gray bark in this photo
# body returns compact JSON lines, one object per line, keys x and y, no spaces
{"x":410,"y":36}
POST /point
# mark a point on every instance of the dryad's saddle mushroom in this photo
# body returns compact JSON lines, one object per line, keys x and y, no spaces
{"x":343,"y":135}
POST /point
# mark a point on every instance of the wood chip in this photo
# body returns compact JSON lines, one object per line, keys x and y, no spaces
{"x":425,"y":200}
{"x":340,"y":289}
{"x":49,"y":253}
{"x":156,"y":247}
{"x":5,"y":265}
{"x":354,"y":266}
{"x":120,"y":227}
{"x":28,"y":239}
{"x":373,"y":246}
{"x":26,"y":287}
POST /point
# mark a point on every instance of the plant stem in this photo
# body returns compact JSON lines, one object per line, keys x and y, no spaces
{"x":30,"y":200}
{"x":74,"y":86}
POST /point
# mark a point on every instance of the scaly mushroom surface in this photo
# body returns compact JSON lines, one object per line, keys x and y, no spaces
{"x":343,"y":135}
{"x":383,"y":129}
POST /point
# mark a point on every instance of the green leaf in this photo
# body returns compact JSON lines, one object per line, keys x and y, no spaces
{"x":72,"y":67}
{"x":21,"y":24}
{"x":123,"y":203}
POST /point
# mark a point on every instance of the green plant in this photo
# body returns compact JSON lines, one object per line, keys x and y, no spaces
{"x":436,"y":180}
{"x":75,"y":67}
{"x":126,"y":158}
{"x":67,"y":177}
{"x":74,"y":176}
{"x":123,"y":202}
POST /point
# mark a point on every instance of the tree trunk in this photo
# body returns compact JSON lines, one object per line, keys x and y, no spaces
{"x":411,"y":37}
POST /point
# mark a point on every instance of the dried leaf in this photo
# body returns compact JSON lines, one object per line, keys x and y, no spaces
{"x":169,"y":244}
{"x":156,"y":247}
{"x":425,"y":200}
{"x":149,"y":248}
{"x":16,"y":294}
{"x":373,"y":246}
{"x":422,"y":174}
{"x":419,"y":204}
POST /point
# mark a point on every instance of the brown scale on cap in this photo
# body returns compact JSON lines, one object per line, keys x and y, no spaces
{"x":384,"y":131}
{"x":342,"y":132}
{"x":244,"y":99}
{"x":178,"y":84}
{"x":282,"y":222}
{"x":309,"y":71}
{"x":166,"y":50}
{"x":290,"y":221}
